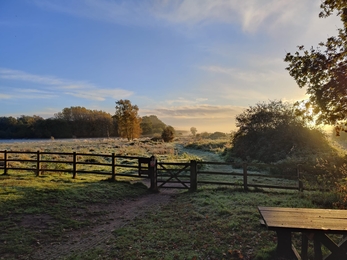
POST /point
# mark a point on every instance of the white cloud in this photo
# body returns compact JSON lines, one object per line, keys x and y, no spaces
{"x":262,"y":80}
{"x":203,"y":116}
{"x":202,"y":111}
{"x":23,"y":76}
{"x":52,"y":86}
{"x":99,"y":94}
{"x":123,"y":12}
{"x":249,"y":14}
{"x":4,"y":96}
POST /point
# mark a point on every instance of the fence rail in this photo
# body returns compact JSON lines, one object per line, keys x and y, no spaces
{"x":186,"y":175}
{"x":246,"y":178}
{"x":39,"y":164}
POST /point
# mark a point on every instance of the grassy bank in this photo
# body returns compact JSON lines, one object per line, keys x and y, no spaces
{"x":213,"y":223}
{"x":217,"y":223}
{"x":36,"y":209}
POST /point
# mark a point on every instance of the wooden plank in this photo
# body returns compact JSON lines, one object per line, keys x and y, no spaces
{"x":302,"y":218}
{"x":336,"y":213}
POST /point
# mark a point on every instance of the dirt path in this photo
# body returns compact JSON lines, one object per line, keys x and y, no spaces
{"x":117,"y":215}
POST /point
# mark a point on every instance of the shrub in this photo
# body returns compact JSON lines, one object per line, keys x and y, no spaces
{"x":168,"y":134}
{"x":272,"y":132}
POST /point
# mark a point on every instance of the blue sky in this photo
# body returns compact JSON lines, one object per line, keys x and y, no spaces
{"x":190,"y":62}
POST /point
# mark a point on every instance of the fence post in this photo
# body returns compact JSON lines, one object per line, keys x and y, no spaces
{"x":245,"y":186}
{"x":153,"y":173}
{"x":74,"y":165}
{"x":113,"y":178}
{"x":38,"y":161}
{"x":139,"y":166}
{"x":193,"y":176}
{"x":5,"y":162}
{"x":300,"y":184}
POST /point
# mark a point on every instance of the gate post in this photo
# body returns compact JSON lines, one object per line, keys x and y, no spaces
{"x":113,"y":177}
{"x":74,"y":165}
{"x":193,"y":176}
{"x":153,"y":173}
{"x":5,"y":162}
{"x":38,"y":163}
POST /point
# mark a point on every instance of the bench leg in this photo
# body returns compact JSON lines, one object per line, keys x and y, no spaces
{"x":284,"y":245}
{"x":304,"y":246}
{"x":317,"y":248}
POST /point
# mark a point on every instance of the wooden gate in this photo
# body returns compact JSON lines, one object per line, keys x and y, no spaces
{"x":176,"y":175}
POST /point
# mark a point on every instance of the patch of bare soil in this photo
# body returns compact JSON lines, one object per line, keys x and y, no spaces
{"x":113,"y":216}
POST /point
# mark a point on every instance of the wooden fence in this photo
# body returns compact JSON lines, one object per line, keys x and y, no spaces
{"x":246,"y":178}
{"x":187,"y":175}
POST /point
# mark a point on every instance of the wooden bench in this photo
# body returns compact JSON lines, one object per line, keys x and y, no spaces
{"x":314,"y":224}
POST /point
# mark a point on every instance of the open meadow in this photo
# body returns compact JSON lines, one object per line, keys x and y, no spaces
{"x":53,"y":216}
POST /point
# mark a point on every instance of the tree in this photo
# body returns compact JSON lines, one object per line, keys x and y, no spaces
{"x":168,"y":134}
{"x":128,"y":120}
{"x":152,"y":125}
{"x":86,"y":123}
{"x":193,"y":130}
{"x":323,"y":70}
{"x":270,"y":132}
{"x":217,"y":135}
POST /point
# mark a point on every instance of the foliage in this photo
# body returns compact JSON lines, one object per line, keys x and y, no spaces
{"x":217,"y":135}
{"x":71,"y":122}
{"x":127,"y":119}
{"x":86,"y":123}
{"x":152,"y":125}
{"x":332,"y":177}
{"x":193,"y":130}
{"x":214,"y":136}
{"x":323,"y":70}
{"x":270,"y":132}
{"x":168,"y":134}
{"x":203,"y":135}
{"x":215,"y":146}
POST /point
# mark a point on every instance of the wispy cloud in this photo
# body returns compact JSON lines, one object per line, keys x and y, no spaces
{"x":52,"y":87}
{"x":202,"y":116}
{"x":262,"y":80}
{"x":27,"y":93}
{"x":250,"y":14}
{"x":23,"y":76}
{"x":4,"y":96}
{"x":124,"y":12}
{"x":203,"y":111}
{"x":185,"y":101}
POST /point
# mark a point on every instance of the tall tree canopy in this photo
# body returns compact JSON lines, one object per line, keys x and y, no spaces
{"x":152,"y":125}
{"x":84,"y":122}
{"x":127,"y":119}
{"x":323,"y":70}
{"x":270,"y":132}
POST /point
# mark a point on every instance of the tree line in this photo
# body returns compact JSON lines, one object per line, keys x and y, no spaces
{"x":80,"y":122}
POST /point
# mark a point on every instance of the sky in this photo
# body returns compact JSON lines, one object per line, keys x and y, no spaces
{"x":192,"y":63}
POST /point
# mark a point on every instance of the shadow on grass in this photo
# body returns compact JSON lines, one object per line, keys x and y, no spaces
{"x":35,"y":209}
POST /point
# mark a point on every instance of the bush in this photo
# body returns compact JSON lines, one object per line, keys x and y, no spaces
{"x":168,"y":134}
{"x":272,"y":132}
